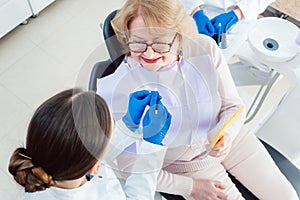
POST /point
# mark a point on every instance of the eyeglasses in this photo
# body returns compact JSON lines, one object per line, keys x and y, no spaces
{"x":158,"y":47}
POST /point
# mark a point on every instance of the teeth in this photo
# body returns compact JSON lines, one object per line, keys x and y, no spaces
{"x":148,"y":88}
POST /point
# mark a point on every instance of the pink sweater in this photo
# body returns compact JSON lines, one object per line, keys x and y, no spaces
{"x":183,"y":159}
{"x":200,"y":94}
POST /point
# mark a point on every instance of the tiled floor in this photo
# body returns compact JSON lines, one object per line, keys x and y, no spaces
{"x":41,"y":58}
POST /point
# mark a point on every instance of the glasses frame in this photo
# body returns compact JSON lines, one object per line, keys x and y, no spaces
{"x":150,"y":45}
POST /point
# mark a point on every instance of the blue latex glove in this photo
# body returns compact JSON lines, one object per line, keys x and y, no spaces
{"x":156,"y":122}
{"x":224,"y":21}
{"x":136,"y":106}
{"x":204,"y":25}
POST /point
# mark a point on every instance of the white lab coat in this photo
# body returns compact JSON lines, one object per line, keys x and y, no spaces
{"x":105,"y":185}
{"x":249,"y":8}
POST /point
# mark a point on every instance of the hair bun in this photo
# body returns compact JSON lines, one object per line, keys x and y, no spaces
{"x":42,"y":175}
{"x":26,"y":174}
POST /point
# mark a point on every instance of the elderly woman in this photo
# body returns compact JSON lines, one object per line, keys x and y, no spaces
{"x":164,"y":53}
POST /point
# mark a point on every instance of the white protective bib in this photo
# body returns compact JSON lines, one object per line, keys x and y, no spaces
{"x":188,"y":89}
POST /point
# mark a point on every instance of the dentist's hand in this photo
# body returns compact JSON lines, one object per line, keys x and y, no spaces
{"x":224,"y":21}
{"x":156,"y":122}
{"x":204,"y":25}
{"x":136,"y":106}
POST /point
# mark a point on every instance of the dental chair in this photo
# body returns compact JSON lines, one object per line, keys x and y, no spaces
{"x":106,"y":67}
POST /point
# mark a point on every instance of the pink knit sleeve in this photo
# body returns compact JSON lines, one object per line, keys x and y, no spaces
{"x":230,"y":99}
{"x":174,"y":183}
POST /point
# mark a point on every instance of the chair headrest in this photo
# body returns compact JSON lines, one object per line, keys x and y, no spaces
{"x":114,"y":47}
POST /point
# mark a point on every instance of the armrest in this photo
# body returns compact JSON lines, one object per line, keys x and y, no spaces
{"x":291,"y":172}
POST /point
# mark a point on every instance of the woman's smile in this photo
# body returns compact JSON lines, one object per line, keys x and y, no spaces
{"x":151,"y":61}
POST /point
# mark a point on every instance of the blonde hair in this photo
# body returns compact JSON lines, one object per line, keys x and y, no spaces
{"x":169,"y":14}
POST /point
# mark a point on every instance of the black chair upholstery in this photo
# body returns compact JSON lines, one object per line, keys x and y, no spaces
{"x":291,"y":172}
{"x":115,"y":51}
{"x":104,"y":68}
{"x":100,"y":69}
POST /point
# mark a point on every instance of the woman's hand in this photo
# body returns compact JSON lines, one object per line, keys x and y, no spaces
{"x":204,"y":189}
{"x":221,"y":148}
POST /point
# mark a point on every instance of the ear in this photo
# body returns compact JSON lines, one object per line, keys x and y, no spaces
{"x":95,"y":169}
